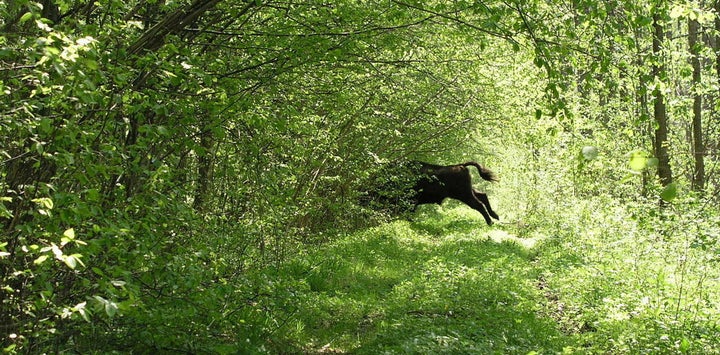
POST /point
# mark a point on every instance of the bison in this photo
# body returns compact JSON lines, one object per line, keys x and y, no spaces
{"x":408,"y":185}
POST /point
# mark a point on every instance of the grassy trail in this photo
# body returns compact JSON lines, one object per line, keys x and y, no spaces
{"x":446,"y":283}
{"x":610,"y":279}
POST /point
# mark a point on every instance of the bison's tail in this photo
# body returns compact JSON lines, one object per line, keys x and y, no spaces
{"x":485,"y":173}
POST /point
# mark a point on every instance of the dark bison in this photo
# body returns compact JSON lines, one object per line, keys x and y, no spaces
{"x":405,"y":186}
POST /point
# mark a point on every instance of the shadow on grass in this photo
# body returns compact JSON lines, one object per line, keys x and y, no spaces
{"x":441,"y":220}
{"x":433,"y":286}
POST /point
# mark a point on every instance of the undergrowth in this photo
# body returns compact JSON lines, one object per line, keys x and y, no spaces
{"x":442,"y":284}
{"x":600,"y":278}
{"x":634,"y":278}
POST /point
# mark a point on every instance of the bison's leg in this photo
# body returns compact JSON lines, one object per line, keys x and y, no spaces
{"x":482,"y":197}
{"x":470,"y":200}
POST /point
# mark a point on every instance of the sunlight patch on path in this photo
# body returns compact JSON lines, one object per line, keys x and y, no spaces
{"x":500,"y":236}
{"x":440,"y":284}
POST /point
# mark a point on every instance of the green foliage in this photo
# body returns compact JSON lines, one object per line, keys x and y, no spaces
{"x":178,"y":176}
{"x":630,"y":281}
{"x":399,"y":289}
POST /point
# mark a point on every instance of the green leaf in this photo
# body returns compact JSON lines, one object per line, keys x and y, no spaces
{"x":684,"y":345}
{"x":40,"y":259}
{"x":44,"y":202}
{"x":25,"y":17}
{"x":70,"y":261}
{"x":81,"y":309}
{"x":118,"y":283}
{"x":652,"y":162}
{"x":45,"y":125}
{"x":669,"y":192}
{"x":69,"y":233}
{"x":539,"y":62}
{"x":110,"y":307}
{"x":163,"y":131}
{"x":92,"y":64}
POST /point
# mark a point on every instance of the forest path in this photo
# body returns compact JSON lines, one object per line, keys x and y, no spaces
{"x":445,"y":283}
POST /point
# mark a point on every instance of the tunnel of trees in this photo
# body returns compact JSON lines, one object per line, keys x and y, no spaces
{"x":158,"y":157}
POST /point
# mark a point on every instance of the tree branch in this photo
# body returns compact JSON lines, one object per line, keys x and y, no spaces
{"x":460,"y":21}
{"x":154,"y":38}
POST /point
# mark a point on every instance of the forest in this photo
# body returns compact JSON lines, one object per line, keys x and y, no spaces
{"x":184,"y":176}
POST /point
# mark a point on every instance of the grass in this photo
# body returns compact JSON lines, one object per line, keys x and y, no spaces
{"x":594,"y":280}
{"x":445,"y":283}
{"x":634,"y":279}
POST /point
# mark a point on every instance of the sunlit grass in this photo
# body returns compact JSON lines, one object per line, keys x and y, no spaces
{"x":595,"y":279}
{"x":444,"y":283}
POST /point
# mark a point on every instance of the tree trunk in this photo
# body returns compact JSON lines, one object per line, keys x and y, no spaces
{"x":698,"y":180}
{"x":716,"y":45}
{"x":660,"y":112}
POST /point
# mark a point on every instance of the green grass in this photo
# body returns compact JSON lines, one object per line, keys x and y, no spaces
{"x":446,"y":283}
{"x":595,"y":280}
{"x":635,"y":279}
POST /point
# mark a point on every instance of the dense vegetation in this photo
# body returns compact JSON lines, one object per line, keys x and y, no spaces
{"x":183,"y":176}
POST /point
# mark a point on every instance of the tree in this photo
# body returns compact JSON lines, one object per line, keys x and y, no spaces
{"x":698,"y":179}
{"x":660,"y":144}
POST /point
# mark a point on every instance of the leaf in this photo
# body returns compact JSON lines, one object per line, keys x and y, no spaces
{"x":163,"y":131}
{"x":678,"y":11}
{"x":40,"y":259}
{"x":110,"y":307}
{"x":56,"y":250}
{"x":45,"y":125}
{"x":25,"y":17}
{"x":92,"y":64}
{"x":684,"y":345}
{"x":44,"y":202}
{"x":539,"y":62}
{"x":70,"y":261}
{"x":69,"y":234}
{"x":5,"y":212}
{"x":669,"y":192}
{"x":652,"y":162}
{"x":118,"y":283}
{"x":80,"y":308}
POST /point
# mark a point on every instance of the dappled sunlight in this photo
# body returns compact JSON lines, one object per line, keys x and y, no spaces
{"x":404,"y":287}
{"x":501,"y":236}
